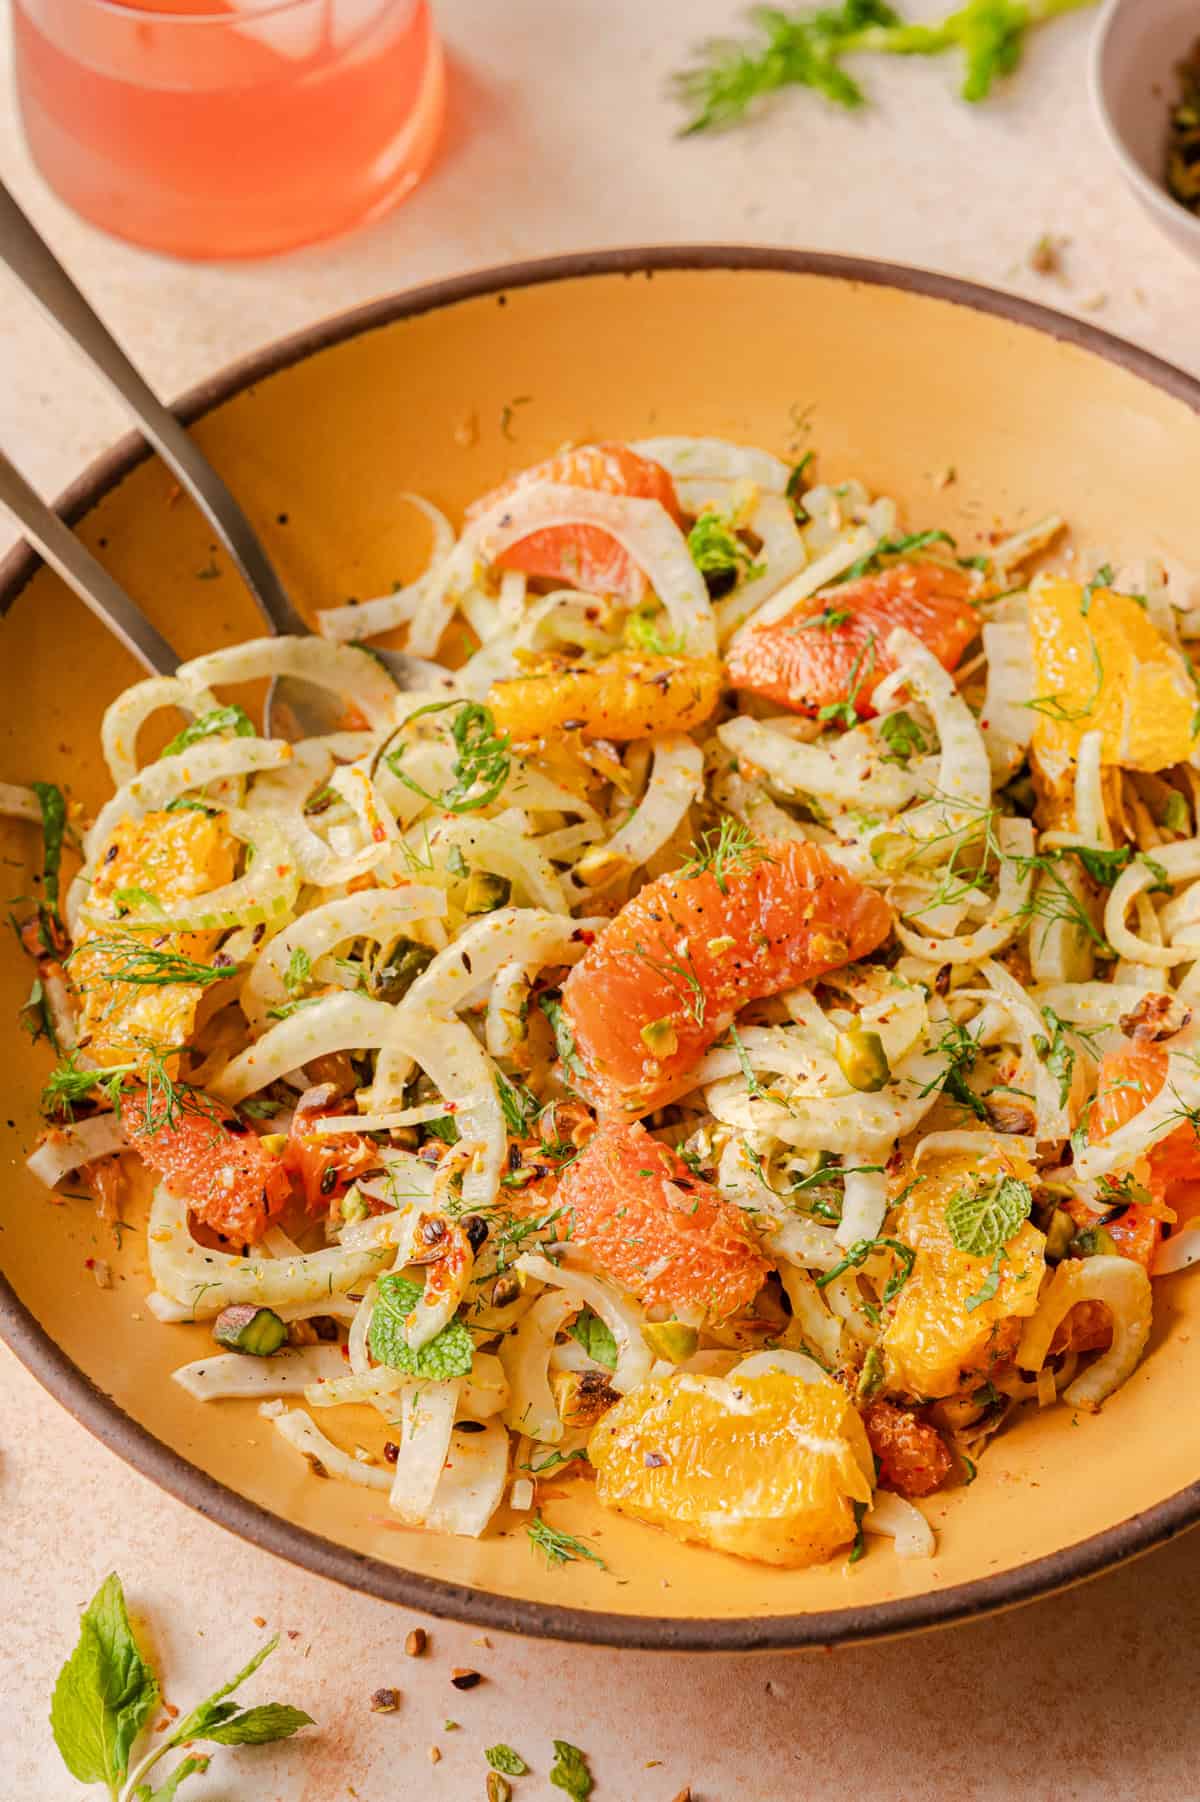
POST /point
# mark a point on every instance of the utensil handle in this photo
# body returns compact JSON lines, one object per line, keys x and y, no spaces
{"x":90,"y":580}
{"x":35,"y":265}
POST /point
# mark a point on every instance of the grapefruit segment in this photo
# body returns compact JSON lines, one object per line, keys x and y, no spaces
{"x":668,"y":1237}
{"x":830,"y":649}
{"x":213,"y":1161}
{"x":667,"y":977}
{"x":585,"y":556}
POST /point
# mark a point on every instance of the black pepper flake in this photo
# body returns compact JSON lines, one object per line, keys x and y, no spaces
{"x":469,"y":1426}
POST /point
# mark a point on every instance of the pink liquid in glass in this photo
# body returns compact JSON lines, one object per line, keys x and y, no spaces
{"x":247,"y":129}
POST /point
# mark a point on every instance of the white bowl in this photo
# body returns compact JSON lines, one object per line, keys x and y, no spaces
{"x":1135,"y":53}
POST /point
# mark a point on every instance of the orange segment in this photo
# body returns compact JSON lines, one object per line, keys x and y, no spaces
{"x":212,"y":1160}
{"x":666,"y":978}
{"x":803,"y":665}
{"x":586,"y":556}
{"x":620,"y":699}
{"x":766,"y":1467}
{"x":172,"y":857}
{"x":934,"y":1343}
{"x":1129,"y":1077}
{"x":669,"y":1238}
{"x":1108,"y":670}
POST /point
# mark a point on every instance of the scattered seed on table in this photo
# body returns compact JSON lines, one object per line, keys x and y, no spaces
{"x":416,"y":1642}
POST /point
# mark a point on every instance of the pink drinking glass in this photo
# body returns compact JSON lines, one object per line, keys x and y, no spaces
{"x":234,"y":131}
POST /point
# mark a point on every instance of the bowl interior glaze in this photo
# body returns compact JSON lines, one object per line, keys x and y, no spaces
{"x":894,"y":377}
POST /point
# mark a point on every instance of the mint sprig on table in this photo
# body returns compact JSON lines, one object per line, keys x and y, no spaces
{"x":106,"y":1693}
{"x":807,"y":48}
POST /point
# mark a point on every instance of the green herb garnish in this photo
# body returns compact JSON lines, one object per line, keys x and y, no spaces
{"x":902,"y":736}
{"x":716,"y":548}
{"x":129,"y":959}
{"x":107,"y":1691}
{"x":299,"y":971}
{"x":825,"y":621}
{"x":807,"y":49}
{"x":857,"y":1256}
{"x":54,"y":827}
{"x":503,"y":1758}
{"x":990,"y":1285}
{"x":983,"y":1218}
{"x":211,"y":725}
{"x":845,"y":713}
{"x":446,"y":1356}
{"x":560,"y":1548}
{"x":588,"y":1330}
{"x":893,"y":547}
{"x":551,"y":1005}
{"x":481,"y":764}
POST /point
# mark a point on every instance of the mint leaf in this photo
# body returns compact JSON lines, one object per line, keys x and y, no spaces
{"x":590,"y":1331}
{"x":564,"y":1039}
{"x":211,"y":725}
{"x":983,"y":1219}
{"x":990,"y":1284}
{"x":570,"y":1772}
{"x":447,"y":1355}
{"x":104,"y":1694}
{"x":215,"y":1709}
{"x":503,"y":1758}
{"x":257,"y":1726}
{"x":902,"y":736}
{"x":54,"y":827}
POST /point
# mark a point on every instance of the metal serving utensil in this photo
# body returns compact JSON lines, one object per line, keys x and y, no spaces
{"x":294,"y":709}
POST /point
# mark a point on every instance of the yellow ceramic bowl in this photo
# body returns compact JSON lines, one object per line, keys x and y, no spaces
{"x":894,"y":376}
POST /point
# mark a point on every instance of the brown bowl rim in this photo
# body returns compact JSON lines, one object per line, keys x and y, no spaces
{"x":101,"y":1414}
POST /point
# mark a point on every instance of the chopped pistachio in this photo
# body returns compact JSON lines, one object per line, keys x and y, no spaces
{"x":862,"y":1059}
{"x":485,"y":892}
{"x":660,"y":1038}
{"x":671,"y":1339}
{"x":256,"y":1331}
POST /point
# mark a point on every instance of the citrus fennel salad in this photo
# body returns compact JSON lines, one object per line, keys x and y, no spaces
{"x":730,"y":1041}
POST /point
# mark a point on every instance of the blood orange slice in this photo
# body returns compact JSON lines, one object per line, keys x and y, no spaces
{"x":664,"y":1234}
{"x":211,"y":1159}
{"x":830,"y":650}
{"x":666,"y":979}
{"x":586,"y":556}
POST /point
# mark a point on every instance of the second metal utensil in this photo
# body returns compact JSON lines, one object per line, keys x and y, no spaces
{"x":302,"y":709}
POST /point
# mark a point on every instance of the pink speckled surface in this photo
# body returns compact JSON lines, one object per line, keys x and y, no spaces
{"x":564,"y":139}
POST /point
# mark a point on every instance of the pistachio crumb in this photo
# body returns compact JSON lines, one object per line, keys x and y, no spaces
{"x":435,"y":1755}
{"x":416,"y":1642}
{"x":464,"y":1679}
{"x":385,"y":1701}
